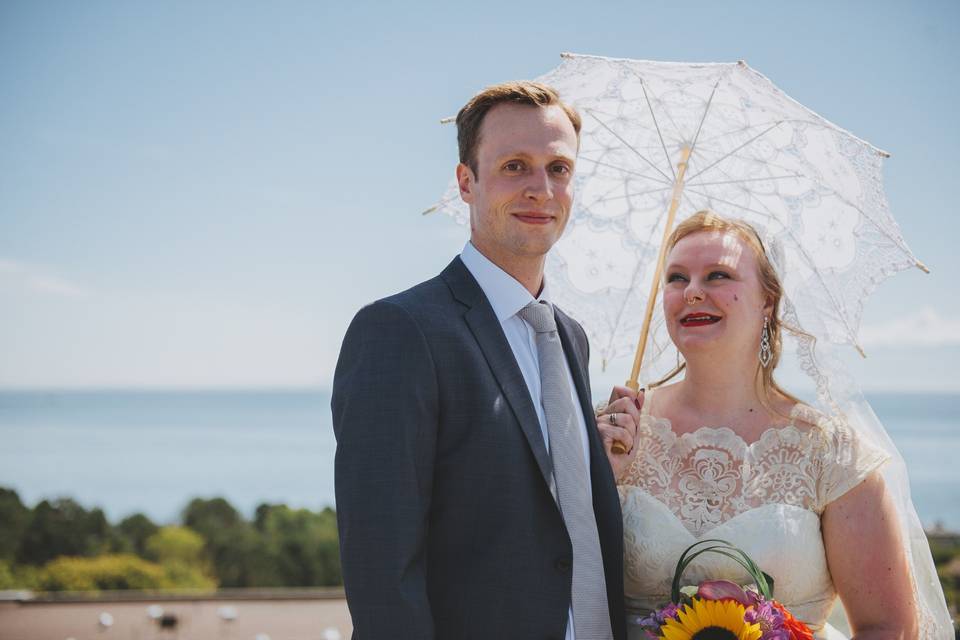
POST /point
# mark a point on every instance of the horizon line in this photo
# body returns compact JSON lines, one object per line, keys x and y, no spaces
{"x":327,"y":388}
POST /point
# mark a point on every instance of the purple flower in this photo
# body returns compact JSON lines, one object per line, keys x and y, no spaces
{"x":769,"y":618}
{"x":670,"y":611}
{"x":658,"y":618}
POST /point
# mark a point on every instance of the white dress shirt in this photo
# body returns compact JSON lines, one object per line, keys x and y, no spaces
{"x":507,"y":297}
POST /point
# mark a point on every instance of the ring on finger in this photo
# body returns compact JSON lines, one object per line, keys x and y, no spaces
{"x":613,"y":419}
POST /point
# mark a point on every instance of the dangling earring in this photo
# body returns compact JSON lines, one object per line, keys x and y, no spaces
{"x":766,"y":353}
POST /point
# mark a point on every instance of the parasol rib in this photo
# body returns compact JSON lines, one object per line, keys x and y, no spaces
{"x":703,"y":118}
{"x":899,"y":242}
{"x":440,"y":204}
{"x":635,"y":194}
{"x":676,"y":127}
{"x":761,"y":179}
{"x":643,"y":85}
{"x":627,"y":144}
{"x":724,"y":157}
{"x":668,"y":183}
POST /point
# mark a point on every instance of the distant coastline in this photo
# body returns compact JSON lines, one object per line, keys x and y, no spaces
{"x":149,"y":450}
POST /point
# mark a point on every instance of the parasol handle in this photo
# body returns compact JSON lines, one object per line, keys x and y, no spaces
{"x":633,"y":382}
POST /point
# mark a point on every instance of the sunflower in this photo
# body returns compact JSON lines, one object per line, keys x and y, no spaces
{"x":710,"y":620}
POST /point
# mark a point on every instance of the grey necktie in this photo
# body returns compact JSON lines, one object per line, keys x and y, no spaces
{"x":591,"y":617}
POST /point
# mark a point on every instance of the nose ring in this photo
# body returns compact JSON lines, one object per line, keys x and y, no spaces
{"x":697,"y":298}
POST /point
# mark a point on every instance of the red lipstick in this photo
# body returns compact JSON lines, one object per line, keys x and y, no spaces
{"x":698,"y":319}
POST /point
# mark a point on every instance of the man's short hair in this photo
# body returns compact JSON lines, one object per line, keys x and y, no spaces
{"x":471,"y":116}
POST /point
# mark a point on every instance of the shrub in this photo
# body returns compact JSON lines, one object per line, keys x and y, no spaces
{"x":121,"y":571}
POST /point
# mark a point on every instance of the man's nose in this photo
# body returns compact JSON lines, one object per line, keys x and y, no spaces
{"x":538,"y":186}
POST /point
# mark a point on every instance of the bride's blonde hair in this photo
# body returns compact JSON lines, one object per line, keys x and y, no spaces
{"x":707,"y":220}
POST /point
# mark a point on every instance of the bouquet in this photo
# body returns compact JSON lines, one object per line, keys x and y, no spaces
{"x":723,"y":610}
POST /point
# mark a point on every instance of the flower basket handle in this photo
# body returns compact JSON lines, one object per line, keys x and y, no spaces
{"x":763,"y":581}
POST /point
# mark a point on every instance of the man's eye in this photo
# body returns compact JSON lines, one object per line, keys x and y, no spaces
{"x":718,"y":275}
{"x":513,"y":166}
{"x":675,"y":277}
{"x":561,"y":169}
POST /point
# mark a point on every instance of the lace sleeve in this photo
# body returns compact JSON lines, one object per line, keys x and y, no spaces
{"x":847,"y":459}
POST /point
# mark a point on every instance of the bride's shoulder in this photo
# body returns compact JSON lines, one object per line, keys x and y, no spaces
{"x":803,"y":416}
{"x":819,"y":426}
{"x":831,"y":433}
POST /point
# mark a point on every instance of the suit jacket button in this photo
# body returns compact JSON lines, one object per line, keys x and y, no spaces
{"x":562,"y":564}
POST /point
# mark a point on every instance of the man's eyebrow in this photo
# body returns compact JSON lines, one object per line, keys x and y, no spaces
{"x":525,"y":155}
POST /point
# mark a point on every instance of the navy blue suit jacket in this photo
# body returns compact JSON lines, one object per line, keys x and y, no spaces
{"x":447,"y":525}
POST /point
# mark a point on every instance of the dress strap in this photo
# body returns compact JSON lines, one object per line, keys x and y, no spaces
{"x":645,"y":410}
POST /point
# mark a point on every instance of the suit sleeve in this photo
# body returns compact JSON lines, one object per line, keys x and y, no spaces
{"x":385,"y":419}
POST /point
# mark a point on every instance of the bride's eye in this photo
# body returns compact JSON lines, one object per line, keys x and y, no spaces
{"x":718,"y":275}
{"x":675,"y":277}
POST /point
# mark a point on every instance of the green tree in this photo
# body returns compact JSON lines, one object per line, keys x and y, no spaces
{"x":64,"y":528}
{"x":233,"y":545}
{"x":181,"y":552}
{"x":14,"y":518}
{"x":134,"y":531}
{"x":176,"y":544}
{"x":19,"y":576}
{"x":7,"y":579}
{"x":301,"y":544}
{"x":209,"y":516}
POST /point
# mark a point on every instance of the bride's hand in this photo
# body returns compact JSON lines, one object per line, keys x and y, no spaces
{"x":617,"y":422}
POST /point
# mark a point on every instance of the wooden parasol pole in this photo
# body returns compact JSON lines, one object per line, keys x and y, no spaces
{"x":655,"y":285}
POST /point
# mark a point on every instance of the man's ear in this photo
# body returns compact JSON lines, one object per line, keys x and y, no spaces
{"x":466,"y":180}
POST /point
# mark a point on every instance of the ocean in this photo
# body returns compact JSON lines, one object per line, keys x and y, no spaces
{"x":152,"y":451}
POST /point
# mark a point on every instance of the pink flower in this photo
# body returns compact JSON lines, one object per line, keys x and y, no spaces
{"x":724,"y":590}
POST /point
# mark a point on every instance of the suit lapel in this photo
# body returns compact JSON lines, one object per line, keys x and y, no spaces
{"x":485,"y":327}
{"x":600,"y":472}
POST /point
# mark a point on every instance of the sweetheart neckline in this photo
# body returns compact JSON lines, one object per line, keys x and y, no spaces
{"x":705,"y":534}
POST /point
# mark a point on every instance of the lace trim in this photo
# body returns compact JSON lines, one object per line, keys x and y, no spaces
{"x":711,"y":475}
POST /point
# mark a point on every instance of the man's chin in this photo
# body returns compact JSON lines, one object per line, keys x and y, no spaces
{"x":537,"y":238}
{"x":536,"y":247}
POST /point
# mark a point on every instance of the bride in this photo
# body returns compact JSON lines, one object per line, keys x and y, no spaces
{"x":727,"y":453}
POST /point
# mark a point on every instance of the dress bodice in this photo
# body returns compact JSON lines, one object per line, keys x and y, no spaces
{"x":765,"y":497}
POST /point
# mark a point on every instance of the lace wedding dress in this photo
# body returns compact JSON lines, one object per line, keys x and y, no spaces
{"x":764,"y":497}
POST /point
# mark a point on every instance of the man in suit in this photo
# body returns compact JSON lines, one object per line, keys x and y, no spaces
{"x":474,"y":498}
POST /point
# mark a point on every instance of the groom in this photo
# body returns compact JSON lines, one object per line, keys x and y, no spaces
{"x":474,"y":498}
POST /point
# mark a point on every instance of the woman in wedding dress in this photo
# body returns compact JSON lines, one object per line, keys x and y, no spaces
{"x":727,"y":453}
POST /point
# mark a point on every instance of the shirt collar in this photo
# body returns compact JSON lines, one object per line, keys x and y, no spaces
{"x":506,"y":295}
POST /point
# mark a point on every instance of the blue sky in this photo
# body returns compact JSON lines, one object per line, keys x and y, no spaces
{"x":202,"y":194}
